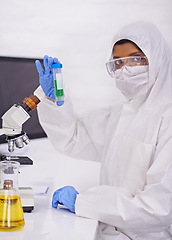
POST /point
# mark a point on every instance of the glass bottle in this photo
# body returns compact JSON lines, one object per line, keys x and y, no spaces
{"x":11,"y":211}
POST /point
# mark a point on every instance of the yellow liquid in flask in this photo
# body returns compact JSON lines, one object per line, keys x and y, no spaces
{"x":11,"y":213}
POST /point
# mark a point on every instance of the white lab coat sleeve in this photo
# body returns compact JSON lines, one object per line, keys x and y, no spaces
{"x":150,"y":209}
{"x":68,"y":134}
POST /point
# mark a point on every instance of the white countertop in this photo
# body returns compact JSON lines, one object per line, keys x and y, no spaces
{"x":54,"y":170}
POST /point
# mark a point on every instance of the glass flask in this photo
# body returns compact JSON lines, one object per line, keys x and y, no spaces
{"x":11,"y":211}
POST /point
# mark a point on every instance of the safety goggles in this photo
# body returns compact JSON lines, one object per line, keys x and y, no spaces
{"x":118,"y":63}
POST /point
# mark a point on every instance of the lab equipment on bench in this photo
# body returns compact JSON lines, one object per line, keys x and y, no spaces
{"x":23,"y":160}
{"x":11,"y":211}
{"x":12,"y":122}
{"x":26,"y":193}
{"x":58,"y":83}
{"x":13,"y":119}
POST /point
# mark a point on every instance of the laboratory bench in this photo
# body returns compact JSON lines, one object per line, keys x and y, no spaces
{"x":50,"y":171}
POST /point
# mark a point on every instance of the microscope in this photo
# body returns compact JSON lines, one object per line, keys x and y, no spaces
{"x":12,"y":122}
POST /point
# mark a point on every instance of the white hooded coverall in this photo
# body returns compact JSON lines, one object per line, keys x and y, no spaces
{"x":133,"y":142}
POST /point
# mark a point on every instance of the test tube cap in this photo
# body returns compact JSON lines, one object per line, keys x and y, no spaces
{"x":57,"y":65}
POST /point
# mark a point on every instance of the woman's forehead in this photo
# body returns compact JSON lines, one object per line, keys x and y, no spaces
{"x":125,"y":50}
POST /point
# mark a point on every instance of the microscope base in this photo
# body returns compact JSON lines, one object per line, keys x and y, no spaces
{"x":27,"y":198}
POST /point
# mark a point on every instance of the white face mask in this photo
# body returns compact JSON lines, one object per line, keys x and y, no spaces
{"x":132,"y":81}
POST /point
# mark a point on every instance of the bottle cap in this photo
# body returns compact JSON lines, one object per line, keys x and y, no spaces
{"x":8,"y":184}
{"x":56,"y":65}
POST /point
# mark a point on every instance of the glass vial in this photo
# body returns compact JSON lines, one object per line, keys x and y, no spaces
{"x":11,"y":211}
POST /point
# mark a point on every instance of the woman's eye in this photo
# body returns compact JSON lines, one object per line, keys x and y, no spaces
{"x":118,"y":62}
{"x":137,"y":58}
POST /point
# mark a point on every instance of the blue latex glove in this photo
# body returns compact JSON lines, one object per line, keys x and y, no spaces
{"x":46,"y":77}
{"x":65,"y":196}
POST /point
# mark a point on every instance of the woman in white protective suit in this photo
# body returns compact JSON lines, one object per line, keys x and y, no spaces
{"x":134,"y":198}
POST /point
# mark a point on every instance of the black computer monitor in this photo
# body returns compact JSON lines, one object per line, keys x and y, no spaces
{"x":18,"y":79}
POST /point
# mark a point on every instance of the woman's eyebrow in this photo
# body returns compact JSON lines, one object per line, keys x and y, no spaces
{"x":131,"y":54}
{"x":115,"y":57}
{"x":134,"y":53}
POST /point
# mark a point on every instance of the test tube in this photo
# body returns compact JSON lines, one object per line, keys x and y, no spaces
{"x":58,"y":83}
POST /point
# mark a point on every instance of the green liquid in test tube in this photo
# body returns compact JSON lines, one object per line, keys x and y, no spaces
{"x":58,"y":83}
